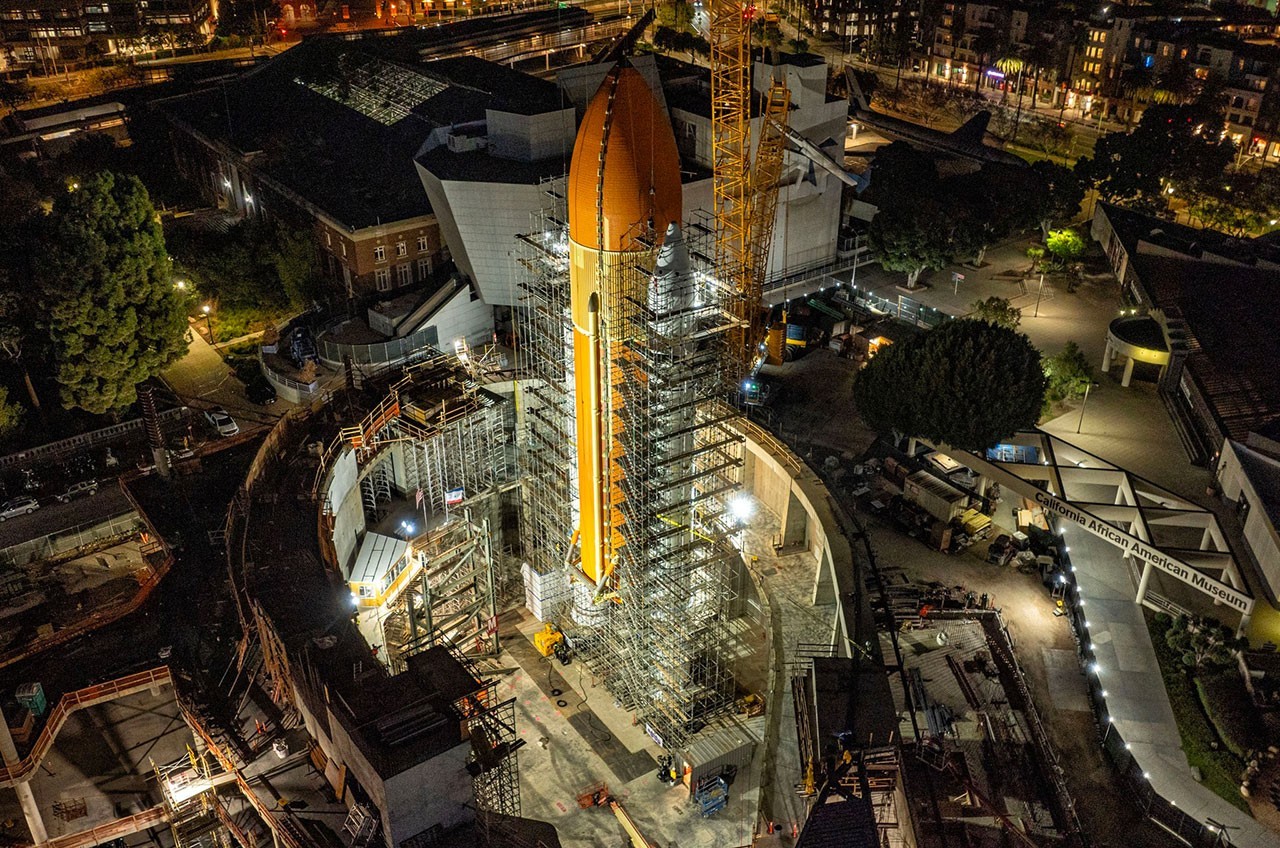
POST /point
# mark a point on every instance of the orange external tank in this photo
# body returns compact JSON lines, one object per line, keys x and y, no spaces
{"x":623,"y":192}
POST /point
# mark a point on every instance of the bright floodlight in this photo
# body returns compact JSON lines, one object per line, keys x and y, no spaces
{"x":741,"y":508}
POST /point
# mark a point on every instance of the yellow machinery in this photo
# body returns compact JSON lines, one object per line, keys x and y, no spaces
{"x":598,"y":796}
{"x":745,"y":200}
{"x":547,"y":640}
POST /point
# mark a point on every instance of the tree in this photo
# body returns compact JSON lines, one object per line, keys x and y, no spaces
{"x":15,"y":323}
{"x":1059,"y":196}
{"x":1065,"y":245}
{"x":1174,"y":150}
{"x":798,"y":44}
{"x":991,"y":204}
{"x":10,"y":414}
{"x":1204,"y":643}
{"x":998,"y":311}
{"x":900,"y":176}
{"x":1068,"y":374}
{"x":296,"y":265}
{"x":13,"y":93}
{"x":967,"y":384}
{"x":112,"y":313}
{"x":911,"y":239}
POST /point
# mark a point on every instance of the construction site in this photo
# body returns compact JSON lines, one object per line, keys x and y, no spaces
{"x":554,"y":591}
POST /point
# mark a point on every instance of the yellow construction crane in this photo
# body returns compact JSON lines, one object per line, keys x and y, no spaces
{"x":745,"y":198}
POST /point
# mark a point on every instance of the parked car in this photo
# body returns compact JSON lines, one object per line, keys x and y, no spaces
{"x":260,"y":391}
{"x":19,"y":506}
{"x":221,"y":421}
{"x":75,"y":490}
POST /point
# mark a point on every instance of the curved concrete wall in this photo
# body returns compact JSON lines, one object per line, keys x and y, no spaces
{"x":810,"y":522}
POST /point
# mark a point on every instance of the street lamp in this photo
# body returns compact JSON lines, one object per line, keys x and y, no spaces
{"x":1085,"y":403}
{"x":206,"y":309}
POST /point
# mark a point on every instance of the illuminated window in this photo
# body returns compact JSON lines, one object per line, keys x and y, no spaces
{"x":422,"y":244}
{"x":401,"y":249}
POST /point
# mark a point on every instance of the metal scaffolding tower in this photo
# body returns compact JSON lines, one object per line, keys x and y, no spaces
{"x":448,"y":595}
{"x":657,"y":638}
{"x":187,"y":787}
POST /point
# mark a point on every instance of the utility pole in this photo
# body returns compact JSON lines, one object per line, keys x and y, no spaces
{"x":1080,"y":423}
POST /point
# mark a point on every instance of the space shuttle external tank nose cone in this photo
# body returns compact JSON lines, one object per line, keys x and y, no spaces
{"x":625,"y":173}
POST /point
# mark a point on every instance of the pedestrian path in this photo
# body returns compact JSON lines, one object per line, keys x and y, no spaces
{"x":1137,"y":704}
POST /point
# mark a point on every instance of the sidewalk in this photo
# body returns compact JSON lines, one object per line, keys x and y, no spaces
{"x":1136,"y":701}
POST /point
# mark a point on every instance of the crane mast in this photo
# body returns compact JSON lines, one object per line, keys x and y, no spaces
{"x":745,"y":198}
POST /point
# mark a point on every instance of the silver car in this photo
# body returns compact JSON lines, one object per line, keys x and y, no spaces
{"x":221,"y":421}
{"x":19,"y":506}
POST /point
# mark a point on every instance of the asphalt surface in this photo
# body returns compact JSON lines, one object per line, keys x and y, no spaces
{"x":53,"y":517}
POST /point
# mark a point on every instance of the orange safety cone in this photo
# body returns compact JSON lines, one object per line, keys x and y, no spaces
{"x":795,"y":831}
{"x":771,"y":827}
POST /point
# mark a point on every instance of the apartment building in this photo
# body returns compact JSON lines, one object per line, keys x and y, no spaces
{"x":47,"y":36}
{"x":860,"y":24}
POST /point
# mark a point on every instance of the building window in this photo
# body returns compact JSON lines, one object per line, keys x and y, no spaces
{"x":328,"y":239}
{"x":379,"y":254}
{"x":382,"y":279}
{"x":422,"y":244}
{"x":344,"y":250}
{"x":404,"y":274}
{"x":424,"y":269}
{"x":401,"y":249}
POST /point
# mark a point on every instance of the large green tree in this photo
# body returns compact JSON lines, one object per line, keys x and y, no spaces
{"x":992,"y":203}
{"x":1179,"y":150}
{"x":113,"y":315}
{"x":968,"y":384}
{"x":912,"y":239}
{"x":1058,"y":199}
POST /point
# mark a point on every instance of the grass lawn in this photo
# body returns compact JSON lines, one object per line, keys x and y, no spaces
{"x":1219,"y":770}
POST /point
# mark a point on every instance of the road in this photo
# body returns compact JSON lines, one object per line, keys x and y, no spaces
{"x":53,"y":517}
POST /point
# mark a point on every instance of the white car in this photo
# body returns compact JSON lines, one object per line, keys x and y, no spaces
{"x":221,"y":421}
{"x":19,"y":506}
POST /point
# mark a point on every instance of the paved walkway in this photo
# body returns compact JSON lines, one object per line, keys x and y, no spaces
{"x":1135,"y":697}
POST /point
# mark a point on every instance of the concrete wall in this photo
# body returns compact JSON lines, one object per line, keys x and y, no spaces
{"x":435,"y":792}
{"x":1260,"y":534}
{"x":530,"y":138}
{"x":462,"y":317}
{"x":480,"y":222}
{"x":344,"y":499}
{"x":793,"y":491}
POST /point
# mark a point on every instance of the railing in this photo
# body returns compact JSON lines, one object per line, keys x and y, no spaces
{"x":276,"y":377}
{"x":115,"y":829}
{"x":283,"y":829}
{"x":84,"y":440}
{"x":71,"y":702}
{"x":389,"y":352}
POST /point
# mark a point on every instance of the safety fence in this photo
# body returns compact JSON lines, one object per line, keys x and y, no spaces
{"x":71,"y":702}
{"x":390,"y":352}
{"x":58,"y":449}
{"x":111,"y":831}
{"x":90,"y":534}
